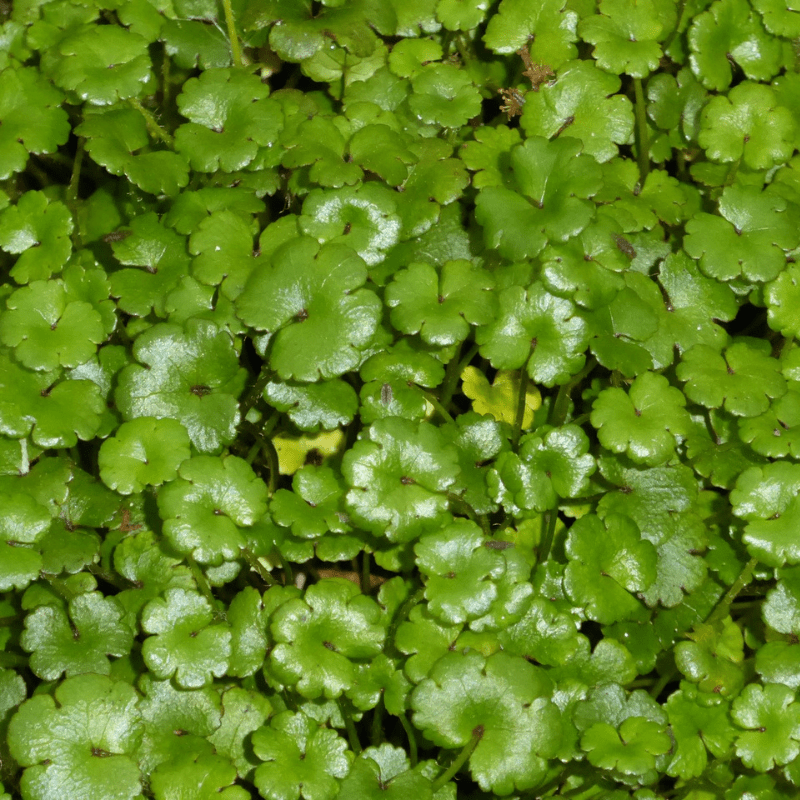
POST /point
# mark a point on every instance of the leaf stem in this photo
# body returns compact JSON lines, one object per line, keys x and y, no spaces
{"x":451,"y":375}
{"x":350,"y":727}
{"x":462,"y":505}
{"x":376,"y":732}
{"x":236,"y":51}
{"x":412,"y":740}
{"x":72,"y":189}
{"x":461,"y":759}
{"x":366,"y":585}
{"x":154,"y":129}
{"x":252,"y":561}
{"x":722,"y":609}
{"x":522,"y":397}
{"x":403,"y":612}
{"x":550,"y":521}
{"x":560,"y":407}
{"x":438,"y":406}
{"x":12,"y":660}
{"x":202,"y":582}
{"x":254,"y":394}
{"x":642,"y":133}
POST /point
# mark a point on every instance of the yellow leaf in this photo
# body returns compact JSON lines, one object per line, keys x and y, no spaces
{"x":500,"y":399}
{"x":293,"y":450}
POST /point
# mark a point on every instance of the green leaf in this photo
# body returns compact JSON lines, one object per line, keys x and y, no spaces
{"x":315,"y":506}
{"x":748,"y":240}
{"x":783,"y":301}
{"x":538,"y":331}
{"x":444,"y":95}
{"x":190,"y":374}
{"x":365,"y":218}
{"x":311,"y":407}
{"x":163,"y":259}
{"x":23,"y":521}
{"x":320,"y":639}
{"x":205,"y":509}
{"x":503,"y":702}
{"x":582,"y":103}
{"x":384,"y":772}
{"x":33,"y":120}
{"x":766,"y":497}
{"x":95,"y":752}
{"x":646,"y":423}
{"x":729,"y":34}
{"x":626,"y":34}
{"x":47,"y":329}
{"x":230,"y":118}
{"x":519,"y":223}
{"x":517,"y":21}
{"x":460,"y":572}
{"x":748,"y":124}
{"x":187,"y":643}
{"x":779,"y":18}
{"x":630,"y":750}
{"x":199,"y":777}
{"x":100,"y":64}
{"x":774,"y":722}
{"x":176,"y":721}
{"x":39,"y":229}
{"x":713,"y":658}
{"x":310,"y":298}
{"x":113,"y":137}
{"x":742,"y":379}
{"x":399,"y":474}
{"x":194,"y":43}
{"x":301,"y":759}
{"x":144,"y":452}
{"x":424,"y":640}
{"x":244,"y":712}
{"x":77,"y":641}
{"x":699,"y":728}
{"x":441,"y":305}
{"x":608,"y":562}
{"x":56,"y":413}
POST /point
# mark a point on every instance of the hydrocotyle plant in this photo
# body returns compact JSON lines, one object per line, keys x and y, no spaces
{"x":399,"y":399}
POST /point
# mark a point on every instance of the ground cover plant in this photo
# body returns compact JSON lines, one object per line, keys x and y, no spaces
{"x":399,"y":399}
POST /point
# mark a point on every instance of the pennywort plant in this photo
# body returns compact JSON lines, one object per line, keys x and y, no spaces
{"x":399,"y":399}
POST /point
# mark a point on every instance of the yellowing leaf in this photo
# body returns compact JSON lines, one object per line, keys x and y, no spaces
{"x":293,"y":450}
{"x":500,"y":399}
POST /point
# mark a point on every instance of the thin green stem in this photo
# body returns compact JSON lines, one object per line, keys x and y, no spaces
{"x":258,"y":567}
{"x":462,"y":505}
{"x":522,"y":398}
{"x":253,"y":452}
{"x":560,"y":407}
{"x":365,"y":577}
{"x":546,"y":545}
{"x":272,"y":463}
{"x":440,"y":409}
{"x":723,"y":607}
{"x":202,"y":583}
{"x":642,"y":132}
{"x":451,"y":376}
{"x":376,"y":731}
{"x":403,"y":612}
{"x":350,"y":727}
{"x":254,"y":394}
{"x":461,"y":759}
{"x":72,"y":189}
{"x":412,"y":740}
{"x":236,"y":50}
{"x":12,"y":660}
{"x":661,"y":683}
{"x":154,"y":129}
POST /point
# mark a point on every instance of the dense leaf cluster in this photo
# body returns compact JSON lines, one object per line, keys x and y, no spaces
{"x":399,"y":399}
